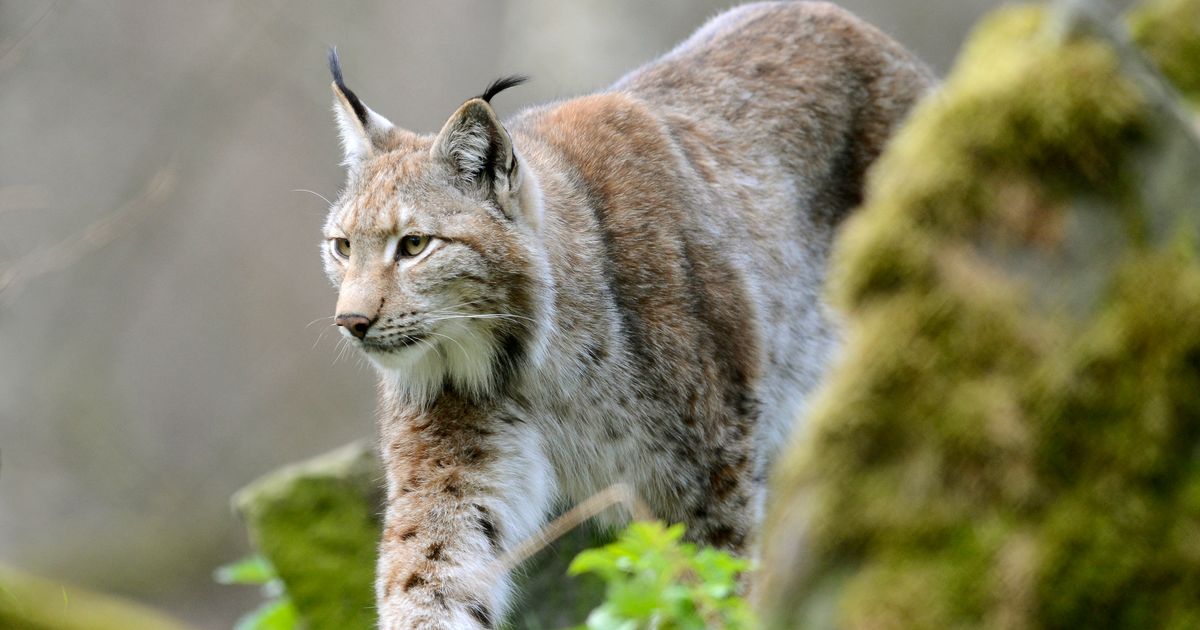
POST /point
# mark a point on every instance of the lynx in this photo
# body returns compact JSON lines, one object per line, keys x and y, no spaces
{"x":620,"y":287}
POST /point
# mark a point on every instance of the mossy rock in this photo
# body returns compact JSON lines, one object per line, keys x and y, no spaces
{"x":1012,"y":436}
{"x":1169,"y":32}
{"x":28,"y":602}
{"x":318,"y":523}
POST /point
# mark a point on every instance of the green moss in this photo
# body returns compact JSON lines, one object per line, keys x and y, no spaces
{"x":1024,"y":118}
{"x":1169,"y":32}
{"x":1012,"y":438}
{"x":891,"y":592}
{"x":32,"y":603}
{"x":317,"y":522}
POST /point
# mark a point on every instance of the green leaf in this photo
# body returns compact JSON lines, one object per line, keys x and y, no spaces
{"x":655,"y":580}
{"x":604,"y":618}
{"x":632,"y":601}
{"x":277,"y":615}
{"x":254,"y":569}
{"x":598,"y":561}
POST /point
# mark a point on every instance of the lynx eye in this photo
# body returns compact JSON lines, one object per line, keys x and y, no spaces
{"x":340,"y":247}
{"x":413,"y":244}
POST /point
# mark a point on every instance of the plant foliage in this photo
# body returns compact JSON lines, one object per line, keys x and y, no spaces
{"x":278,"y":612}
{"x":654,"y":580}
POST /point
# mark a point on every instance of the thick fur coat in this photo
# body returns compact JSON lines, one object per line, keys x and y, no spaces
{"x":621,"y":287}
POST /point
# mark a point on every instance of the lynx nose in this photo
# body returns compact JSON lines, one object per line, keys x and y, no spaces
{"x":358,"y":325}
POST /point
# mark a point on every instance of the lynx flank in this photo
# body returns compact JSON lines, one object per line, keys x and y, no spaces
{"x":624,"y":286}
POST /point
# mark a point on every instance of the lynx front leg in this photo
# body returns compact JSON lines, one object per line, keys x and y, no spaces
{"x":462,"y":489}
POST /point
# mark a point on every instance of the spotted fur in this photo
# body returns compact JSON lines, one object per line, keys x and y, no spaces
{"x":621,"y":287}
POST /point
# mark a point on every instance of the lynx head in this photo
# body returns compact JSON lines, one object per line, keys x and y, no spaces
{"x":434,"y":245}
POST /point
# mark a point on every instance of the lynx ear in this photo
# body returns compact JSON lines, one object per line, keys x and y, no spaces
{"x":477,"y":146}
{"x":364,"y":133}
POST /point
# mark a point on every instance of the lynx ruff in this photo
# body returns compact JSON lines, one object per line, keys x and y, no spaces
{"x":621,"y":287}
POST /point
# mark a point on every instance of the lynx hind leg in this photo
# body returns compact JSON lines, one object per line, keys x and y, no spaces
{"x":729,"y":516}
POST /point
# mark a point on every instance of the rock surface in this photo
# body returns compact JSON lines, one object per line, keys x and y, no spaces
{"x":318,"y":523}
{"x":1012,"y":436}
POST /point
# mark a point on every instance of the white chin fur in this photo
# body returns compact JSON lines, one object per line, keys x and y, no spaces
{"x":457,"y":351}
{"x":414,"y":374}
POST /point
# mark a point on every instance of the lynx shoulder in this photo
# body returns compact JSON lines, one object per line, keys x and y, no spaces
{"x":622,"y":287}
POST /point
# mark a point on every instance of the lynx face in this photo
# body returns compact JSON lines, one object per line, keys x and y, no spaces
{"x":433,"y":251}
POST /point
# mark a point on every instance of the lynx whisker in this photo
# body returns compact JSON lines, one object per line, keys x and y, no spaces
{"x":340,"y":350}
{"x":470,"y":303}
{"x":309,"y":325}
{"x":322,"y":334}
{"x":481,"y":316}
{"x":425,"y":342}
{"x":453,"y":340}
{"x":475,"y":335}
{"x":313,"y":192}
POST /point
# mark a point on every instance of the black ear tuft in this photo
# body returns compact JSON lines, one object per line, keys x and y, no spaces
{"x":501,"y":84}
{"x":335,"y":68}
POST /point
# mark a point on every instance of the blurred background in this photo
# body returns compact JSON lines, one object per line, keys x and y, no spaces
{"x":161,"y":298}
